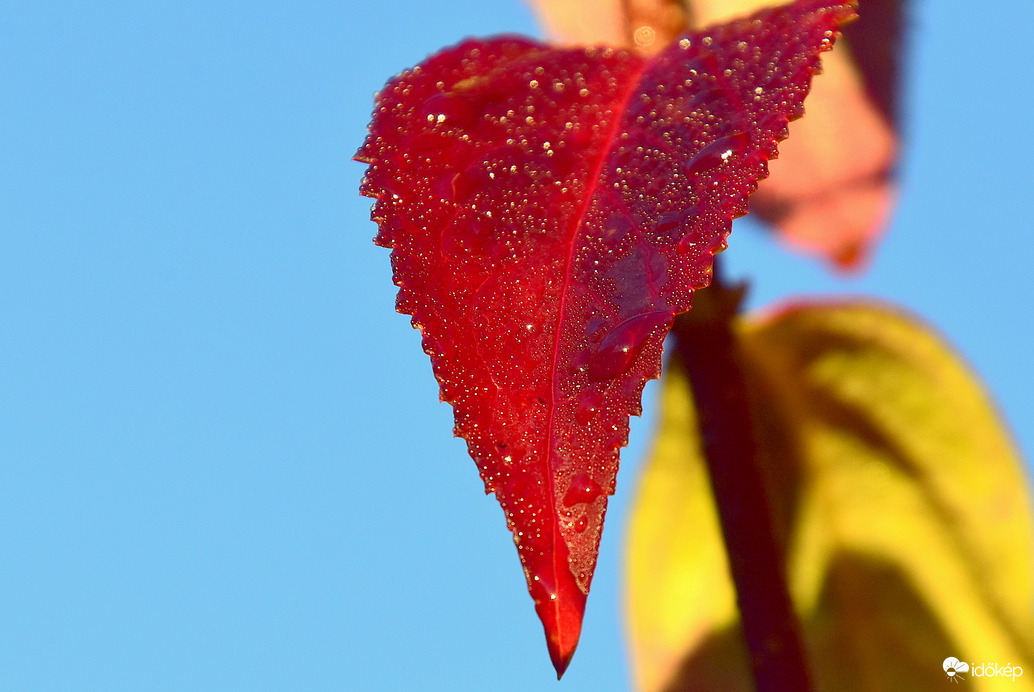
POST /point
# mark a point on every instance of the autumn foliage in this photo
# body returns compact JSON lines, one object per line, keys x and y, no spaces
{"x":551,"y":211}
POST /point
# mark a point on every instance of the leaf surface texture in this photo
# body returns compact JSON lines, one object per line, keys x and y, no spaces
{"x":549,"y":211}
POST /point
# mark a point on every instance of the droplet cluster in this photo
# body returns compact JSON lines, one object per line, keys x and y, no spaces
{"x":549,"y":212}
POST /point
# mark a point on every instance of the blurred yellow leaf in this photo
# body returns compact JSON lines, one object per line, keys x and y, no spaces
{"x":647,"y":25}
{"x":831,"y":190}
{"x":902,"y":501}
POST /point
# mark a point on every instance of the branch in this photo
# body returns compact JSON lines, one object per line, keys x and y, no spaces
{"x":706,"y":347}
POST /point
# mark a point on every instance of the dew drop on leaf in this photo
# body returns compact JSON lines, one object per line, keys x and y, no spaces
{"x":718,"y":152}
{"x":451,"y":109}
{"x":686,"y":244}
{"x":583,"y":489}
{"x":616,"y":228}
{"x":674,"y":219}
{"x":589,"y":403}
{"x":469,"y":181}
{"x":542,"y":589}
{"x":618,"y":349}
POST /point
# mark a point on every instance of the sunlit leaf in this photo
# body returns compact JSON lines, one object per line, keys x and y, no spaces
{"x":549,"y":212}
{"x":901,"y":497}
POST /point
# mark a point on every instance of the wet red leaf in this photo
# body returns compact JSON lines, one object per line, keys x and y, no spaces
{"x":832,"y":192}
{"x":550,"y":210}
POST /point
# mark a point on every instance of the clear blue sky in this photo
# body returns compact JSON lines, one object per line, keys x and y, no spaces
{"x":223,"y":464}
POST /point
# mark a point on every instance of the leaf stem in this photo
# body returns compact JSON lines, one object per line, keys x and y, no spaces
{"x":706,"y":347}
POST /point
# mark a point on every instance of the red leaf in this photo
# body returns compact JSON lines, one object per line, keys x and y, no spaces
{"x":549,"y":211}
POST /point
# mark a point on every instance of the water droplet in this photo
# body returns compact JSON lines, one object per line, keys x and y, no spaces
{"x":474,"y":236}
{"x":718,"y":152}
{"x":469,"y":181}
{"x":708,"y":233}
{"x":716,"y":99}
{"x":449,"y":108}
{"x":616,"y":228}
{"x":542,"y":589}
{"x":623,"y":343}
{"x":774,"y":124}
{"x":674,"y":219}
{"x":583,"y":489}
{"x":445,"y":188}
{"x":589,"y":403}
{"x":688,"y":242}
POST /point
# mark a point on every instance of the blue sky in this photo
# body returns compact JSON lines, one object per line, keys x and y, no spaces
{"x":223,"y":464}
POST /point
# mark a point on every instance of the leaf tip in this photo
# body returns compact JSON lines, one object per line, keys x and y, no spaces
{"x":562,"y":643}
{"x":561,"y":610}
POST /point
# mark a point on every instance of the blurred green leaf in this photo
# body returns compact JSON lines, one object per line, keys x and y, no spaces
{"x":900,"y":498}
